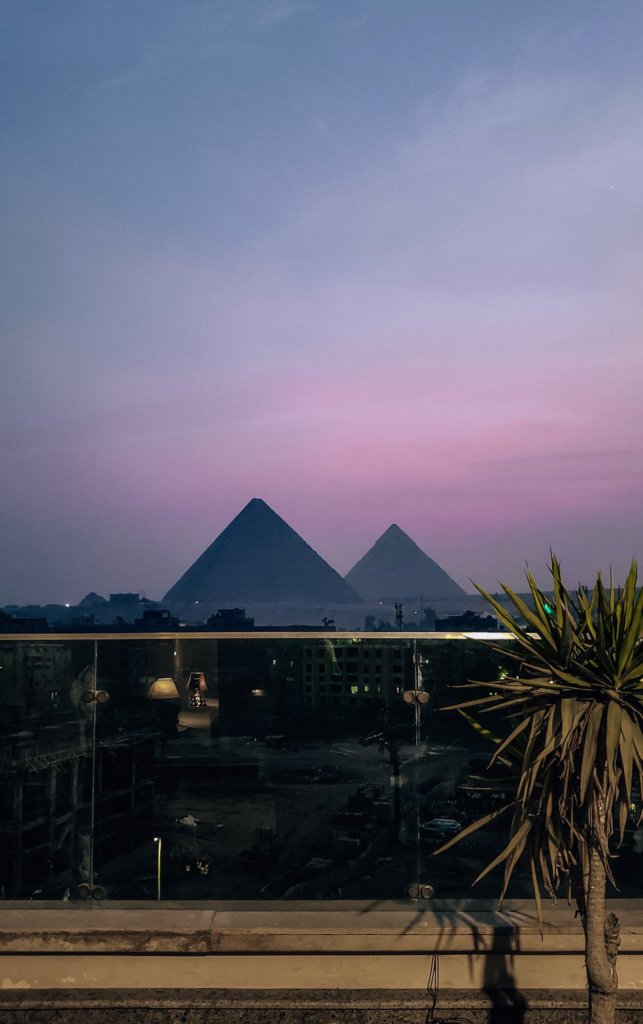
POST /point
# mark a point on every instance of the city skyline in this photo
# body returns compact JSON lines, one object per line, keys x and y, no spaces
{"x":377,"y":263}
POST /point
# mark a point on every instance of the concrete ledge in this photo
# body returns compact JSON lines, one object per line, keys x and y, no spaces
{"x":468,"y":926}
{"x":335,"y":948}
{"x":102,"y":929}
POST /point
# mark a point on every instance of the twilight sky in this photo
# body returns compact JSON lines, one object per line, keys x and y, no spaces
{"x":372,"y":261}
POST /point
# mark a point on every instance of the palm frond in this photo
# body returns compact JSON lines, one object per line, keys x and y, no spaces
{"x":575,"y":739}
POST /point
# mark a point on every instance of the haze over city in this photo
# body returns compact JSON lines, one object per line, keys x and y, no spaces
{"x":375,"y":262}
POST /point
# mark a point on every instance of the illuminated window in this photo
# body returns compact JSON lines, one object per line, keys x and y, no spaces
{"x":258,"y":693}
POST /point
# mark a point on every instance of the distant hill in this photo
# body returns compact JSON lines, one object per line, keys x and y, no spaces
{"x":395,"y":567}
{"x":260,"y":559}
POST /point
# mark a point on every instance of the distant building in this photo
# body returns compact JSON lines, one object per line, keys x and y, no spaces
{"x":22,"y":623}
{"x":231,"y":619}
{"x":468,"y":622}
{"x":157,"y":618}
{"x":354,"y":674}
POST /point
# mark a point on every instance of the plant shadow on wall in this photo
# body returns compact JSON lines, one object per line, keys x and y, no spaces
{"x":495,"y":936}
{"x":574,"y":752}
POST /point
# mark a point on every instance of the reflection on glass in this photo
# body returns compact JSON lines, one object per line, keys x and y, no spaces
{"x":257,"y":768}
{"x":46,"y":727}
{"x":163,"y":689}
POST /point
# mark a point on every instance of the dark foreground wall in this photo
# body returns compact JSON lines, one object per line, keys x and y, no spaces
{"x":176,"y":1006}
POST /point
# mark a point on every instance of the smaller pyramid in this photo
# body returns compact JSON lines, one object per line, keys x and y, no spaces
{"x":395,"y":567}
{"x":259,"y":559}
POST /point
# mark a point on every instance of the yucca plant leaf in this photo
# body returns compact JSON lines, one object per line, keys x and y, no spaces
{"x":574,"y":736}
{"x":590,"y":746}
{"x":626,"y":744}
{"x":623,"y":813}
{"x":521,"y":635}
{"x":637,"y":739}
{"x":473,"y":827}
{"x":635,"y":674}
{"x":476,"y":702}
{"x":612,"y":738}
{"x":511,"y":863}
{"x":502,"y":705}
{"x":631,"y":636}
{"x":536,"y":888}
{"x":518,"y":839}
{"x":510,"y":738}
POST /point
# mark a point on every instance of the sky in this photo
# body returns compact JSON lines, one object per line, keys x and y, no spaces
{"x":372,"y":261}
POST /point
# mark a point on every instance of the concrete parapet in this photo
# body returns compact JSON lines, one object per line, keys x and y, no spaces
{"x":357,"y":958}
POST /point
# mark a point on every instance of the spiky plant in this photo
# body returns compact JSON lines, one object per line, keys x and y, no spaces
{"x":575,"y":707}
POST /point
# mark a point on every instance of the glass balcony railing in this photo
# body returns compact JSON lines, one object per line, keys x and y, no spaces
{"x":265,"y":766}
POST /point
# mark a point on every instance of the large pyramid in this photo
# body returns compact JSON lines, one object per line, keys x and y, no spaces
{"x":395,"y":567}
{"x":259,"y":559}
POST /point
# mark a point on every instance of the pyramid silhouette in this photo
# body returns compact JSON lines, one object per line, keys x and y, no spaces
{"x":259,"y":559}
{"x":396,"y":567}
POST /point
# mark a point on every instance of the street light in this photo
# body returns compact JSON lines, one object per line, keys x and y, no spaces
{"x":159,"y":841}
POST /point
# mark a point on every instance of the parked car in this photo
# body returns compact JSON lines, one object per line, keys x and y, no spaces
{"x":440,"y":828}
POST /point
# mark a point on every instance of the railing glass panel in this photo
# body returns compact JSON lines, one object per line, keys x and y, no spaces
{"x":259,"y":766}
{"x":47,"y":718}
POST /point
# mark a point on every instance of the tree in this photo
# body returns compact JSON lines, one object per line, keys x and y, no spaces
{"x":575,"y":740}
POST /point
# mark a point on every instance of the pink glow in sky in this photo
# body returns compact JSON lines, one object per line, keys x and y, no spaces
{"x":373,"y":263}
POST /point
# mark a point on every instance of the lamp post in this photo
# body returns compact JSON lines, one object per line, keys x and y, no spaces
{"x":159,"y":842}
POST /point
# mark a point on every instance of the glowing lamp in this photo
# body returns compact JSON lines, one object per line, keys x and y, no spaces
{"x":163,"y":689}
{"x":197,"y":686}
{"x":197,"y":682}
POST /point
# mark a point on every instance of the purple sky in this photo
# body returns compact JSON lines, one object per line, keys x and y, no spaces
{"x":373,"y":262}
